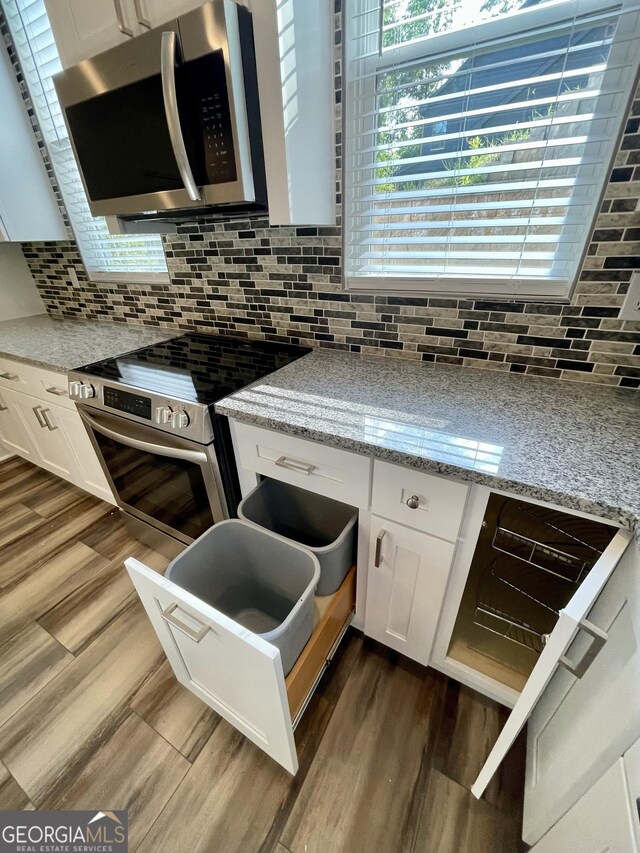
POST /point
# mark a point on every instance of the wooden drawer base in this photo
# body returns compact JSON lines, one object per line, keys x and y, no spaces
{"x":333,"y":613}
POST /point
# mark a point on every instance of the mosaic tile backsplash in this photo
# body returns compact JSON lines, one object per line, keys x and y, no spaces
{"x":246,"y":278}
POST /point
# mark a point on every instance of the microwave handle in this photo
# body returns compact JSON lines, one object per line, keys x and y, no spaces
{"x":168,"y":69}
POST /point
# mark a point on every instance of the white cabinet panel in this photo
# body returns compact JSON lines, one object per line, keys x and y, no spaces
{"x":632,"y":772}
{"x":601,"y":709}
{"x":12,"y":432}
{"x":325,"y":470}
{"x":48,"y":434}
{"x":28,"y":208}
{"x":560,"y":648}
{"x":234,"y":671}
{"x":406,"y":580}
{"x":601,"y":822}
{"x":157,"y":12}
{"x":417,"y":499}
{"x":84,"y":28}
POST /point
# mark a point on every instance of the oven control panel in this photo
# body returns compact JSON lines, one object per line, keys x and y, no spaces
{"x":124,"y":401}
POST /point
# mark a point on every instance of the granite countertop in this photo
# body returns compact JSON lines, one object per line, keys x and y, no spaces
{"x":568,"y":443}
{"x":62,"y":344}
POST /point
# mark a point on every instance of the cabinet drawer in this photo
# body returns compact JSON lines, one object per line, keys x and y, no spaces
{"x":425,"y":502}
{"x":237,"y":672}
{"x":46,"y":385}
{"x":326,"y":470}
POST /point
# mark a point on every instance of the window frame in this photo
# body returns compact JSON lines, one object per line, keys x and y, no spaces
{"x":441,"y":46}
{"x":52,"y":139}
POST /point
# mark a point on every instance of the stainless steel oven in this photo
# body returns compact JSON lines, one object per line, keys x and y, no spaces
{"x":170,"y":483}
{"x":170,"y":120}
{"x":150,"y":415}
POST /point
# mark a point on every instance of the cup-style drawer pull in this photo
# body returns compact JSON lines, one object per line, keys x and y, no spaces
{"x":378,"y":558}
{"x":168,"y":616}
{"x":599,"y":638}
{"x":292,"y":465}
{"x":13,"y":377}
{"x":57,"y":392}
{"x":413,"y":502}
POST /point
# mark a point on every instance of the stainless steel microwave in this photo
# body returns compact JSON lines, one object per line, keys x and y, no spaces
{"x":171,"y":119}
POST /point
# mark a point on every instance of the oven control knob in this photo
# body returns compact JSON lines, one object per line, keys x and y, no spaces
{"x":74,"y":389}
{"x":163,"y":415}
{"x":179,"y":420}
{"x":85,"y":391}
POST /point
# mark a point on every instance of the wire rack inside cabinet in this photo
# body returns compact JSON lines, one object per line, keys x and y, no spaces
{"x":560,"y":544}
{"x":511,"y":605}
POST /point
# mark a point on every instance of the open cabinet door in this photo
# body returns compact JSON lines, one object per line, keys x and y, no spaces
{"x":571,"y":622}
{"x":233,"y":670}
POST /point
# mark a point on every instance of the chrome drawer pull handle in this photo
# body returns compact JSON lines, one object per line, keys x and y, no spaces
{"x":12,"y":376}
{"x":196,"y":636}
{"x":57,"y":392}
{"x":378,"y":557}
{"x":413,"y":502}
{"x":302,"y":467}
{"x":599,"y":639}
{"x":51,"y":426}
{"x":37,"y":411}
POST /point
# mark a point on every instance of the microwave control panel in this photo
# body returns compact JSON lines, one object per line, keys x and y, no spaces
{"x":214,"y":115}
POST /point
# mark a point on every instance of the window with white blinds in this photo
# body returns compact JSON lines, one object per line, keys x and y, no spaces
{"x":106,"y":256}
{"x":479,"y":138}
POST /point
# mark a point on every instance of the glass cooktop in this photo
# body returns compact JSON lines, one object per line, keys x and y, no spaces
{"x":196,"y":368}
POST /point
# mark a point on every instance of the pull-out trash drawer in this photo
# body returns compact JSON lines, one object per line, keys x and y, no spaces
{"x":238,"y":621}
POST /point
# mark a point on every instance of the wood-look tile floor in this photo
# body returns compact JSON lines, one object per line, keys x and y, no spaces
{"x":91,"y":716}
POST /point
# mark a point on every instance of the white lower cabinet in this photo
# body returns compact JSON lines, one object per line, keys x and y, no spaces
{"x":600,"y":822}
{"x":45,"y":426}
{"x":12,"y":432}
{"x":51,"y":434}
{"x":406,"y":581}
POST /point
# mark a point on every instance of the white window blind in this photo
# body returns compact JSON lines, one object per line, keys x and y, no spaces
{"x":106,"y":256}
{"x":479,"y":137}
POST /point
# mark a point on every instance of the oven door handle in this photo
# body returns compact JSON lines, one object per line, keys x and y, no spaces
{"x":195,"y":456}
{"x":168,"y":73}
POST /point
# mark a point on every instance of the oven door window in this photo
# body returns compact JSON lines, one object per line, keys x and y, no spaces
{"x":166,"y":490}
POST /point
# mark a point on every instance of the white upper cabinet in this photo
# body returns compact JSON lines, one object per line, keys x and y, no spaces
{"x":153,"y":13}
{"x":28,"y":208}
{"x":294,"y":55}
{"x":84,"y":28}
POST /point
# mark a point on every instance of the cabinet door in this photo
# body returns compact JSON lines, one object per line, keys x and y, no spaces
{"x":89,"y":473}
{"x":600,"y":822}
{"x":84,"y":28}
{"x":156,"y":12}
{"x":47,"y":432}
{"x":601,"y":709}
{"x":12,"y":432}
{"x":407,"y":576}
{"x":560,"y":649}
{"x":234,"y":671}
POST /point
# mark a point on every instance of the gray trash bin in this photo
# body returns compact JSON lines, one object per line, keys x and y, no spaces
{"x":324,"y":526}
{"x":259,"y":579}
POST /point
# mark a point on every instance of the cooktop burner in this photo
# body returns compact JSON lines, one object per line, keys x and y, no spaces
{"x":196,"y":368}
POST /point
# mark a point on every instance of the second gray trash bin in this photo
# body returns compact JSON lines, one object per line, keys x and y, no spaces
{"x":259,"y":579}
{"x":324,"y":526}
